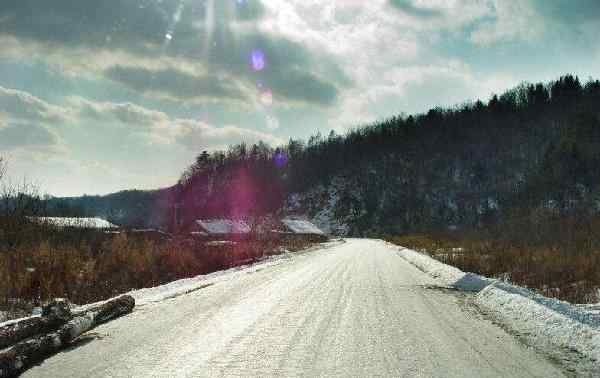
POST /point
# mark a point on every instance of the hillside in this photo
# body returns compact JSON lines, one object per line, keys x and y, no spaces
{"x":132,"y":208}
{"x":528,"y":149}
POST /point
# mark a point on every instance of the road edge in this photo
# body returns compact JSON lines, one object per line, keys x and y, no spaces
{"x":542,"y":322}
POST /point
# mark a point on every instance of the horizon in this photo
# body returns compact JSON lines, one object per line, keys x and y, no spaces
{"x":104,"y":104}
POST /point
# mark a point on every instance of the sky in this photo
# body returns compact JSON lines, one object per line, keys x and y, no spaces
{"x":101,"y":96}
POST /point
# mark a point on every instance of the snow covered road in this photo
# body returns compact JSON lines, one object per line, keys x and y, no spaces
{"x":350,"y":310}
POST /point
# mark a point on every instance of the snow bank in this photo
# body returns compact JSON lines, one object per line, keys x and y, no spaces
{"x":543,"y":321}
{"x":448,"y":275}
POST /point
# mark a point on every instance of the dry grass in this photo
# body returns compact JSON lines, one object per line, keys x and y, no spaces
{"x":91,"y":267}
{"x":551,"y":267}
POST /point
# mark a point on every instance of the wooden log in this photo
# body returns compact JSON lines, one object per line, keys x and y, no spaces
{"x":112,"y":309}
{"x":25,"y":353}
{"x":54,"y":315}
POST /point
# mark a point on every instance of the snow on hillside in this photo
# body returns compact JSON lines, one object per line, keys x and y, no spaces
{"x":325,"y":205}
{"x":543,"y":321}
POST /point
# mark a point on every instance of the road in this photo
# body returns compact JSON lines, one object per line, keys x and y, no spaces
{"x":355,"y":309}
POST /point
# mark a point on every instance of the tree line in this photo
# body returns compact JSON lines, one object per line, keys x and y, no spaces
{"x":534,"y":145}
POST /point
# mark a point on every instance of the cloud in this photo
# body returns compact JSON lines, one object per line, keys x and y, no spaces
{"x":88,"y":22}
{"x":174,"y":83}
{"x":159,"y":128}
{"x":27,"y":122}
{"x":410,"y":8}
{"x":250,"y":10}
{"x":304,"y":86}
{"x":196,"y":135}
{"x":569,"y":12}
{"x":511,"y":21}
{"x":24,"y":106}
{"x":441,"y":15}
{"x":213,"y":40}
{"x":16,"y":135}
{"x":533,"y":20}
{"x":126,"y":113}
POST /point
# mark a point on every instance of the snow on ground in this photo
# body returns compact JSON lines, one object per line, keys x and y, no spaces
{"x":542,"y":321}
{"x":546,"y":321}
{"x":184,"y":286}
{"x":187,"y":285}
{"x":353,"y":310}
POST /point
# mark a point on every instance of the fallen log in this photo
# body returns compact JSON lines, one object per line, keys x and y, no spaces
{"x":112,"y":309}
{"x":25,"y":353}
{"x":54,"y":315}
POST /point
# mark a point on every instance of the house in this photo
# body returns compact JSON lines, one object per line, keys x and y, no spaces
{"x":296,"y":228}
{"x":157,"y":236}
{"x":220,"y":229}
{"x":301,"y":226}
{"x":75,"y":223}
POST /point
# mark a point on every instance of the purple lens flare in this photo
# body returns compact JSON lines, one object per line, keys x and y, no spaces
{"x":258,"y":60}
{"x":280,"y":159}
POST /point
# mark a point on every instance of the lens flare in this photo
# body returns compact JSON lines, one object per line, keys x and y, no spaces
{"x":280,"y":159}
{"x":258,"y":60}
{"x":266,"y":97}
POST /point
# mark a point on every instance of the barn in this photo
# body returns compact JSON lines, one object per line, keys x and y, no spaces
{"x":300,"y":228}
{"x":220,"y":229}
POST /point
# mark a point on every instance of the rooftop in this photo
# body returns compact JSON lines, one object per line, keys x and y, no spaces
{"x":223,"y":226}
{"x":92,"y":223}
{"x":301,"y":226}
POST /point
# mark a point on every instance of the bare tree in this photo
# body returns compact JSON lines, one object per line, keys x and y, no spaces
{"x":2,"y":167}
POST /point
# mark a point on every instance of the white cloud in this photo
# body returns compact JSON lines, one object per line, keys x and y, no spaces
{"x":512,"y":21}
{"x":197,"y":135}
{"x":126,"y":113}
{"x":23,"y":106}
{"x":158,"y":127}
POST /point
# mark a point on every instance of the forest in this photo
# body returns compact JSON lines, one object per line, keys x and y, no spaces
{"x":532,"y":148}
